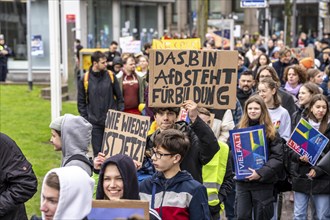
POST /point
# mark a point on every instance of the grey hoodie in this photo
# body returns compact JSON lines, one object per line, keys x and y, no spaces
{"x":75,"y":136}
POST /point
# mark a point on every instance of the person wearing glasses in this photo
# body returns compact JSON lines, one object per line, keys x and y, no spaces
{"x":97,"y":93}
{"x":204,"y":144}
{"x":173,"y":192}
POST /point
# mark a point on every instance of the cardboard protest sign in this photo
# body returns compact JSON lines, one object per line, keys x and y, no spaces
{"x":125,"y":133}
{"x":307,"y":140}
{"x":194,"y":43}
{"x":249,"y":147}
{"x":119,"y":209}
{"x":301,"y":53}
{"x":208,"y":77}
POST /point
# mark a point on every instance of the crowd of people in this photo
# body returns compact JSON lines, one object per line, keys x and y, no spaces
{"x":187,"y":170}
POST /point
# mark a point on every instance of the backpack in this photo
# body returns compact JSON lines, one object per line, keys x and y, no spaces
{"x":86,"y":78}
{"x":82,"y":158}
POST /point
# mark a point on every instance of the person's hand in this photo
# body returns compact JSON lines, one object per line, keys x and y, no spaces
{"x":137,"y":164}
{"x":304,"y":158}
{"x":4,"y":52}
{"x":312,"y":173}
{"x":253,"y":176}
{"x":191,"y":107}
{"x":98,"y":161}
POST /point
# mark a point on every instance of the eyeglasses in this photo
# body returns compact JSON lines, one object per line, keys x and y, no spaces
{"x":159,"y":155}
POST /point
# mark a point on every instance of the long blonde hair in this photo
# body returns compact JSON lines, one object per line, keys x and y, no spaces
{"x":264,"y":117}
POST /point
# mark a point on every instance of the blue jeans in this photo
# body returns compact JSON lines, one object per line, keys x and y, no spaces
{"x":321,"y":203}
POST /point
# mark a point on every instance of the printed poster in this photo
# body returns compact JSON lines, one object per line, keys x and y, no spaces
{"x":37,"y":46}
{"x":249,"y":147}
{"x":307,"y":140}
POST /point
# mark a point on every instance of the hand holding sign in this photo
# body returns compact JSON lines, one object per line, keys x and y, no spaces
{"x":98,"y":161}
{"x":253,"y":176}
{"x":191,"y":107}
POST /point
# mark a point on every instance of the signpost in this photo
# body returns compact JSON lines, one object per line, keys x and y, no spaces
{"x":253,"y":3}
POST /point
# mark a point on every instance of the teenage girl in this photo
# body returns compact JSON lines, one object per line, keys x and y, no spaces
{"x":255,"y":193}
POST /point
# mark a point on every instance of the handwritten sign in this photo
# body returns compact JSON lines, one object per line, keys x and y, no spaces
{"x":125,"y":133}
{"x":207,"y":77}
{"x":194,"y":43}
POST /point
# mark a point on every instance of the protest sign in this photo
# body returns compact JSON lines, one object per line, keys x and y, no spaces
{"x":249,"y":147}
{"x":119,"y":209}
{"x":193,"y":44}
{"x":208,"y":77}
{"x":307,"y":140}
{"x":301,"y":53}
{"x":125,"y":133}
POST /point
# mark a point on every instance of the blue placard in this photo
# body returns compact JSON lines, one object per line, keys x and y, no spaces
{"x":306,"y":140}
{"x":249,"y":147}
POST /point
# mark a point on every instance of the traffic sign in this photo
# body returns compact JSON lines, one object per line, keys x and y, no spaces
{"x":253,"y":3}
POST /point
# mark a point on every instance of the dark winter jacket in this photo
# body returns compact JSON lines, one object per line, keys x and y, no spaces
{"x":180,"y":197}
{"x":204,"y":146}
{"x":279,"y":67}
{"x":18,"y":182}
{"x":102,"y":95}
{"x":287,"y":101}
{"x":127,"y":171}
{"x":320,"y":184}
{"x":243,"y":96}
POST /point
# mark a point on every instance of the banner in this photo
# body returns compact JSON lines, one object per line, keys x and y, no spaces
{"x":119,"y":209}
{"x":208,"y":77}
{"x":192,"y":44}
{"x":307,"y":140}
{"x":125,"y":133}
{"x":249,"y":147}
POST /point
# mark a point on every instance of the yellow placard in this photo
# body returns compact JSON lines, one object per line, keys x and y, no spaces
{"x":192,"y":44}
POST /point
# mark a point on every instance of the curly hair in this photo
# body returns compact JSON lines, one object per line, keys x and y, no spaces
{"x":297,"y":69}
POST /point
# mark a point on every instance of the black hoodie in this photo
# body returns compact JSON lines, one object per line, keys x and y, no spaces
{"x":127,"y":171}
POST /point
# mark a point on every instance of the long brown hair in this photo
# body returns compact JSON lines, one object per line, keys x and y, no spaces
{"x":264,"y":117}
{"x":270,"y":83}
{"x":325,"y":119}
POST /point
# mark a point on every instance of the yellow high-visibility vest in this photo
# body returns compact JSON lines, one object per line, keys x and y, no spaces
{"x":214,"y":172}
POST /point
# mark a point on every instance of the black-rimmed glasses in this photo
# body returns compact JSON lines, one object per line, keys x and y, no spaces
{"x":159,"y":155}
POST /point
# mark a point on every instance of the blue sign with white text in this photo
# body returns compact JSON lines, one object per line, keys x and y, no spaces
{"x":253,"y":3}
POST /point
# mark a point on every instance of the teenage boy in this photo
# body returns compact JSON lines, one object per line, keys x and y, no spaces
{"x":173,"y":193}
{"x":203,"y":142}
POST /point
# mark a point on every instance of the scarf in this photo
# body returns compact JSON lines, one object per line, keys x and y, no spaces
{"x":293,"y":91}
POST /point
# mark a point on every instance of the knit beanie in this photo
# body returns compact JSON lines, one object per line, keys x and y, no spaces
{"x":57,"y":123}
{"x":307,"y":62}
